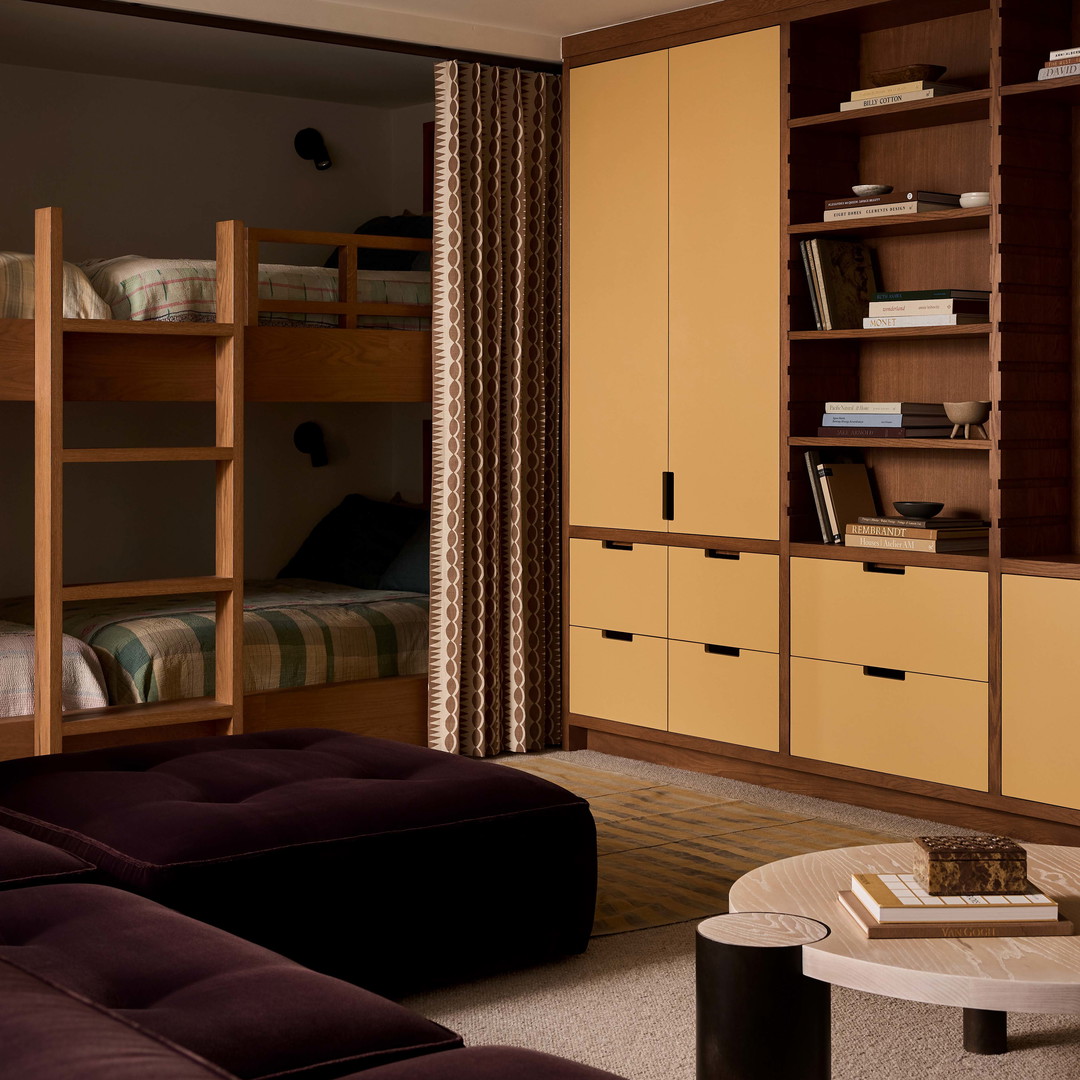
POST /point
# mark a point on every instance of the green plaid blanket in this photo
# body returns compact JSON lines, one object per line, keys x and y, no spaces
{"x":296,"y":633}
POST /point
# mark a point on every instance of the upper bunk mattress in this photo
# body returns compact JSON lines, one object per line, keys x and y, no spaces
{"x":296,"y":633}
{"x":182,"y":290}
{"x":17,"y":290}
{"x":82,"y":678}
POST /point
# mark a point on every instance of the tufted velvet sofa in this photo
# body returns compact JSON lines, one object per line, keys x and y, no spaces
{"x":391,"y":866}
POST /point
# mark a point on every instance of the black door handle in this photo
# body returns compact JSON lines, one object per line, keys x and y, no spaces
{"x":882,"y":568}
{"x":616,"y":635}
{"x":722,"y":650}
{"x":885,"y":673}
{"x":667,"y":511}
{"x":713,"y":553}
{"x":616,"y":545}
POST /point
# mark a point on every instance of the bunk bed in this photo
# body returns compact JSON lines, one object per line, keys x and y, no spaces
{"x":234,"y":358}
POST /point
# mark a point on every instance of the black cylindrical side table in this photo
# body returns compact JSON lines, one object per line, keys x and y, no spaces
{"x":758,"y":1016}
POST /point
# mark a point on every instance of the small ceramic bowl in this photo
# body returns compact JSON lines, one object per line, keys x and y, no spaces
{"x":871,"y":189}
{"x":918,"y":509}
{"x":974,"y":198}
{"x":911,"y":73}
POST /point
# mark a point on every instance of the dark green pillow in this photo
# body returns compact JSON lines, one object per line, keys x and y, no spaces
{"x":410,"y":571}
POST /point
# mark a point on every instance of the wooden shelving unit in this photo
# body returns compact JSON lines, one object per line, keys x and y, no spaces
{"x":977,"y":217}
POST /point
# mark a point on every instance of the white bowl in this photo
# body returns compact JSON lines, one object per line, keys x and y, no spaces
{"x":872,"y":189}
{"x":974,"y":198}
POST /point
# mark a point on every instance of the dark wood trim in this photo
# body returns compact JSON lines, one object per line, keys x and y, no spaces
{"x":570,"y":737}
{"x":691,"y":540}
{"x":1011,"y":817}
{"x":300,"y":33}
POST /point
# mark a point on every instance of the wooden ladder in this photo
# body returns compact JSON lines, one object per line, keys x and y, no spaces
{"x":50,"y":458}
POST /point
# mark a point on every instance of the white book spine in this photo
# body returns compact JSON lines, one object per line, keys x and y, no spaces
{"x":879,"y":407}
{"x":884,"y":210}
{"x":902,"y":88}
{"x":886,"y":321}
{"x":1054,"y":72}
{"x":1064,"y":54}
{"x":912,"y":307}
{"x":893,"y":99}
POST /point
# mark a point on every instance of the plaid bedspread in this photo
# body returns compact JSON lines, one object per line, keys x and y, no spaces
{"x":17,"y":290}
{"x":182,"y":290}
{"x":83,"y":682}
{"x":296,"y":633}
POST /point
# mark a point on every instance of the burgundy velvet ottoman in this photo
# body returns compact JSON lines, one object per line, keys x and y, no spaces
{"x":246,"y":1009}
{"x":391,"y":866}
{"x":25,"y":861}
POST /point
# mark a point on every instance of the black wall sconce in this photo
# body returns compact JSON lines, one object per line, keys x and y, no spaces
{"x":309,"y":144}
{"x":308,"y":438}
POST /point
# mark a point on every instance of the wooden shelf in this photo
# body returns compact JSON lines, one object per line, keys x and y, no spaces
{"x":113,"y":590}
{"x":951,"y":220}
{"x":882,"y":334}
{"x":1066,"y":90}
{"x":152,"y":714}
{"x":905,"y":115}
{"x":892,"y":444}
{"x":146,"y":328}
{"x":105,"y":454}
{"x":950,"y":561}
{"x":1056,"y":566}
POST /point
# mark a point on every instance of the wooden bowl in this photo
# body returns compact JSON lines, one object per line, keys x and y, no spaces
{"x":911,"y":73}
{"x":967,"y":412}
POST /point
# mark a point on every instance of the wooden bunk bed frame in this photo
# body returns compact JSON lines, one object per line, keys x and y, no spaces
{"x":50,"y":359}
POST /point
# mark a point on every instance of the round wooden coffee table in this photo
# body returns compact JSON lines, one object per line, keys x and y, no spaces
{"x":986,"y":977}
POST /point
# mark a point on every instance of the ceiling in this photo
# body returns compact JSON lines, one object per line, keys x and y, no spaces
{"x":71,"y":39}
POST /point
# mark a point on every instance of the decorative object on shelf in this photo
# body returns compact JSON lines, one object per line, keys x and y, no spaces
{"x":923,"y":510}
{"x":908,"y":73}
{"x":970,"y":865}
{"x":968,"y":414}
{"x":969,"y":199}
{"x":871,"y":189}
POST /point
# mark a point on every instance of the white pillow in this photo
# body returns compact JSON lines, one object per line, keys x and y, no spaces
{"x":17,"y":290}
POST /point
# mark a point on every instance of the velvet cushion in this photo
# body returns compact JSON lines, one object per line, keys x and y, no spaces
{"x":411,"y":569}
{"x":490,"y":1063}
{"x":355,"y":542}
{"x":246,"y":1009}
{"x":24,"y":861}
{"x":393,"y":866}
{"x":47,"y":1033}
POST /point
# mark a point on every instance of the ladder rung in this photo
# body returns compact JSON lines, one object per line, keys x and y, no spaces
{"x":156,"y":714}
{"x":147,"y":328}
{"x":90,"y":454}
{"x":115,"y":590}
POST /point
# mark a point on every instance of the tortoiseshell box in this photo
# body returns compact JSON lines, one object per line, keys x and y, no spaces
{"x":969,"y":865}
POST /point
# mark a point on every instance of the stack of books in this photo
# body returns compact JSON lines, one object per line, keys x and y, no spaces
{"x":897,"y":92}
{"x":896,"y":202}
{"x":896,"y":906}
{"x":841,"y":278}
{"x":841,"y":491}
{"x":884,"y":420}
{"x":927,"y":307}
{"x":961,"y":536}
{"x":1061,"y":62}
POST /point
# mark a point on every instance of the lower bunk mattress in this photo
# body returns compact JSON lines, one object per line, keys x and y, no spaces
{"x":83,"y":682}
{"x":296,"y":633}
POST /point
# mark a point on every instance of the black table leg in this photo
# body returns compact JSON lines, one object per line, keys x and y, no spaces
{"x":984,"y":1031}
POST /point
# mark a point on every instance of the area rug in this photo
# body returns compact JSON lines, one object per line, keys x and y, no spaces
{"x":669,"y":853}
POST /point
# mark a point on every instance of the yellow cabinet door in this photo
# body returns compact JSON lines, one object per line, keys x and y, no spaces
{"x":924,"y":727}
{"x":732,"y":699}
{"x":725,"y":285}
{"x":923,"y":620}
{"x":1040,"y":683}
{"x":617,"y":275}
{"x":724,"y":598}
{"x":616,"y":679}
{"x":615,"y":586}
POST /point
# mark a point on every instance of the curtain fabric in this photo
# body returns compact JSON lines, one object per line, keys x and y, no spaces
{"x":496,"y":290}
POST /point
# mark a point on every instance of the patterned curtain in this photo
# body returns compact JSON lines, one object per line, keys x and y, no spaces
{"x":495,"y":567}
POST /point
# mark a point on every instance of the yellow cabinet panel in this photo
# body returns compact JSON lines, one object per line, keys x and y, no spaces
{"x":725,"y":257}
{"x":618,"y":680}
{"x":924,"y":727}
{"x":724,"y":601}
{"x":924,"y":620}
{"x":617,"y":273}
{"x":732,"y":699}
{"x":619,"y":587}
{"x":1040,"y":684}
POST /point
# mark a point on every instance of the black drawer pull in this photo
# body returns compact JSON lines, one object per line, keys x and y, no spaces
{"x":722,"y":650}
{"x":881,"y":568}
{"x":616,"y":545}
{"x":667,"y":511}
{"x":713,"y":553}
{"x":616,"y":635}
{"x":885,"y":673}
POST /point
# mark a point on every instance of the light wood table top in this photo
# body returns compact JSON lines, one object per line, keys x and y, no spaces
{"x":1012,"y":974}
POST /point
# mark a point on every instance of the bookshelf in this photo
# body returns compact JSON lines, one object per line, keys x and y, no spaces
{"x":1016,"y":137}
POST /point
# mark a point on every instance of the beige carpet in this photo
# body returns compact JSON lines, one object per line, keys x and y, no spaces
{"x":627,"y":1005}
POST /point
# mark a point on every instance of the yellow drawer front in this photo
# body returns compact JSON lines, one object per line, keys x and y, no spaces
{"x":619,"y":587}
{"x":925,"y":727}
{"x":724,"y":601}
{"x":732,"y":699}
{"x":1040,"y":651}
{"x":618,"y":680}
{"x":924,"y":620}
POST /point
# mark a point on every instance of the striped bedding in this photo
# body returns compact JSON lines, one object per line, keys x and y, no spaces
{"x":182,"y":290}
{"x":17,"y":290}
{"x":83,"y":681}
{"x":296,"y":633}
